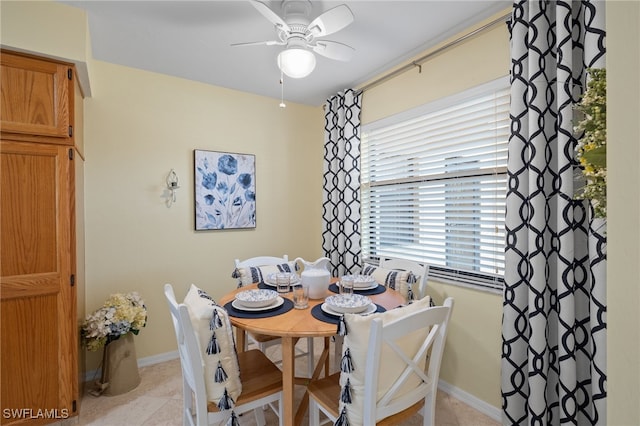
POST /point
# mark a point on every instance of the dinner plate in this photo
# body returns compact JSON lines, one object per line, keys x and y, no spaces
{"x":354,"y":303}
{"x":279,"y":301}
{"x":369,"y":287}
{"x":256,"y":298}
{"x":363,"y":282}
{"x":270,"y":279}
{"x":327,"y":310}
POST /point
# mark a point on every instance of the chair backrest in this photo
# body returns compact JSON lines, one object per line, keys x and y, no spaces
{"x":190,"y":358}
{"x":257,"y":269}
{"x":424,"y":378}
{"x":419,"y":269}
{"x":261,"y":261}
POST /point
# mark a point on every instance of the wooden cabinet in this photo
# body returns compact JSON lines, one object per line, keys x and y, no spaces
{"x":40,"y":173}
{"x":35,"y":97}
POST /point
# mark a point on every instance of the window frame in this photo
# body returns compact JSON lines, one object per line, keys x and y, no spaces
{"x":492,"y":282}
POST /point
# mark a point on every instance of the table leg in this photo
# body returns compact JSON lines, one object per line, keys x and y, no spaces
{"x":327,"y":363}
{"x":323,"y":362}
{"x":241,"y":337}
{"x":288,"y":377}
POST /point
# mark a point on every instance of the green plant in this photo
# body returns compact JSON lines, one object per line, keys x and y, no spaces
{"x":591,"y":151}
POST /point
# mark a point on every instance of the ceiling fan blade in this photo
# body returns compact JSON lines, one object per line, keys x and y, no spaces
{"x":331,"y":21}
{"x":273,"y":17}
{"x":333,"y":50}
{"x":261,"y":43}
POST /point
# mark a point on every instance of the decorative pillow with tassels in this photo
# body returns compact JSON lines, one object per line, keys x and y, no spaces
{"x":257,"y":274}
{"x":401,"y":281}
{"x":355,"y":329}
{"x":215,"y":338}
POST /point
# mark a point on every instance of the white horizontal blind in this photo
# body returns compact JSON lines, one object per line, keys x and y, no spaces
{"x":434,"y":186}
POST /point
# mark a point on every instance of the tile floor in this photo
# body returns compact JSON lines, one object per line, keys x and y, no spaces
{"x":158,"y":401}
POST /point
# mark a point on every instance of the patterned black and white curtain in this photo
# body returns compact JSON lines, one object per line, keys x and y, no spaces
{"x":341,"y":186}
{"x":554,"y":307}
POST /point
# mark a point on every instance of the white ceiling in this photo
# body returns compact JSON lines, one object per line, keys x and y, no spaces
{"x":192,"y":40}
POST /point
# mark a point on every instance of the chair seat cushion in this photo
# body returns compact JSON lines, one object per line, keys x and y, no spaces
{"x":398,"y":280}
{"x":257,"y":274}
{"x":357,"y":342}
{"x":326,"y":392}
{"x":215,"y":339}
{"x":260,"y":377}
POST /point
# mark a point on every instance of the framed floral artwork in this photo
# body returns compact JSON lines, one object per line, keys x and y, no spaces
{"x":225,"y":190}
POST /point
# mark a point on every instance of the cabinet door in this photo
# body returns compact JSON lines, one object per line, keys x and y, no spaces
{"x":38,"y":331}
{"x":35,"y":96}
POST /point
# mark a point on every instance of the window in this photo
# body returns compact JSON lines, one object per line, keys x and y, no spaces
{"x":434,"y":186}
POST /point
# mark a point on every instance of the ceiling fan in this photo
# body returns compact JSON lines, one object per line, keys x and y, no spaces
{"x":300,"y":34}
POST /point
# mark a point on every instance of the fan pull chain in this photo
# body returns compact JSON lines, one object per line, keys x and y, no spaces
{"x":282,"y":104}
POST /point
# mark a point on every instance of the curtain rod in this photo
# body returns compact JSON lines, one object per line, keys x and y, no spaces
{"x":418,"y":62}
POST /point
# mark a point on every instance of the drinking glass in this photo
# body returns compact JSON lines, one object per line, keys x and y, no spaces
{"x":300,"y":296}
{"x":282,"y":283}
{"x":346,"y":285}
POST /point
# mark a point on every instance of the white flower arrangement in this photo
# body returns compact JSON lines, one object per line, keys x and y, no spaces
{"x":120,"y":314}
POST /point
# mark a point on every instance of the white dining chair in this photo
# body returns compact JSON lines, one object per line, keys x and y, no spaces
{"x":419,"y":269}
{"x":419,"y":289}
{"x":389,"y":376}
{"x":263,"y":341}
{"x":260,"y":379}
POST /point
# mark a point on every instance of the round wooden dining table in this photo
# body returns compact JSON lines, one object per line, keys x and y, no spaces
{"x":290,"y":327}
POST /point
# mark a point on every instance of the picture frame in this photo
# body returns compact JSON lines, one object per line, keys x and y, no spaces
{"x":225,"y":190}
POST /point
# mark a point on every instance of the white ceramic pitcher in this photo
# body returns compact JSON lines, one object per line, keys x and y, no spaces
{"x":316,"y":276}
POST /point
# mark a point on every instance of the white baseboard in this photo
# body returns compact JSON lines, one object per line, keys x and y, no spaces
{"x":142,"y":362}
{"x":156,"y":359}
{"x":472,"y":401}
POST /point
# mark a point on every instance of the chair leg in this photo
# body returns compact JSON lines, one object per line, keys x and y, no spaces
{"x":280,"y":412}
{"x":314,"y":413}
{"x":429,"y":410}
{"x":310,"y":357}
{"x":187,"y":405}
{"x":338,"y":350}
{"x":259,"y":414}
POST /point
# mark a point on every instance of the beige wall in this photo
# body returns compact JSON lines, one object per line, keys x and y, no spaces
{"x":50,"y":29}
{"x":139,"y":125}
{"x":623,"y":223}
{"x":472,"y":355}
{"x":66,"y":41}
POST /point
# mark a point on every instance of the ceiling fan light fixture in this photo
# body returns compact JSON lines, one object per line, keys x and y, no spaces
{"x":296,"y":62}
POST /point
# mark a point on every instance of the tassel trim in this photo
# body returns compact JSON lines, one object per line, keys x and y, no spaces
{"x":215,"y":322}
{"x":205,"y":295}
{"x":342,"y":326}
{"x":342,"y":420}
{"x":346,"y":365}
{"x":226,"y":402}
{"x":345,"y":395}
{"x":233,"y":420}
{"x":213,"y":347}
{"x":220,"y":375}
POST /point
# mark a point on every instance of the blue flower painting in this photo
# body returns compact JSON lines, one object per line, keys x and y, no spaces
{"x":225,"y":190}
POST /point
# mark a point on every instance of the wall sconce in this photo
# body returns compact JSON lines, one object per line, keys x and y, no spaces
{"x":172,"y":185}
